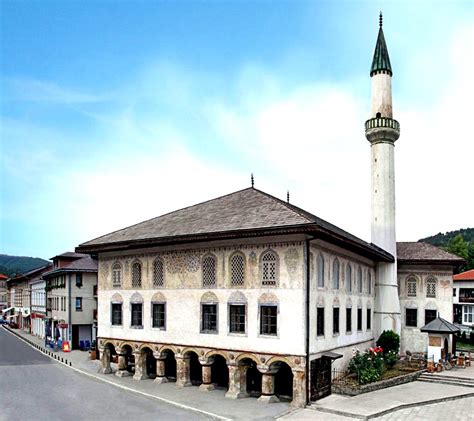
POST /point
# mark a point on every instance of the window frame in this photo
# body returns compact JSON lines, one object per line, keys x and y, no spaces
{"x":360,"y":281}
{"x":261,"y":317}
{"x":139,"y":282}
{"x":230,"y":306}
{"x":348,"y":276}
{"x":78,"y":308}
{"x":409,"y":318}
{"x":204,"y":272}
{"x":158,"y":303}
{"x":336,"y":323}
{"x":411,"y":280}
{"x":320,"y":324}
{"x":161,"y":284}
{"x":79,"y":280}
{"x":431,"y":318}
{"x":202,"y":321}
{"x":237,"y":254}
{"x":320,"y":278}
{"x":117,"y":270}
{"x":336,"y":274}
{"x":112,"y":304}
{"x":359,"y":319}
{"x":269,"y":283}
{"x":434,"y":282}
{"x":132,"y":325}
{"x":368,"y":322}
{"x":349,"y":319}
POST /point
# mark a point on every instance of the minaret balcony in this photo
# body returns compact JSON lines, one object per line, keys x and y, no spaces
{"x":382,"y":129}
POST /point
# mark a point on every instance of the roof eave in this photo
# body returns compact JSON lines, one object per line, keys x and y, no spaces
{"x":310,"y":229}
{"x":442,"y":262}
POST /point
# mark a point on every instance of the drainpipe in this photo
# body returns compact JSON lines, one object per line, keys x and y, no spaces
{"x":69,"y":326}
{"x":307,"y":308}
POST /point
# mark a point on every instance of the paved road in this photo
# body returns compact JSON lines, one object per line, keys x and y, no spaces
{"x":32,"y":386}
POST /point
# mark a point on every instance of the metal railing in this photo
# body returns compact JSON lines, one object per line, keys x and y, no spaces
{"x":374,"y":123}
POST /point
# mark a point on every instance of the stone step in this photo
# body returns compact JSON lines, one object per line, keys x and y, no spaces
{"x":449,"y":378}
{"x":445,"y":381}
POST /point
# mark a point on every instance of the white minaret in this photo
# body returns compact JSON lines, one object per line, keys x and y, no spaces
{"x":382,"y":131}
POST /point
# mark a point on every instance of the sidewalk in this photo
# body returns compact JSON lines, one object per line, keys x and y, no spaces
{"x":212,"y":402}
{"x":380,"y":402}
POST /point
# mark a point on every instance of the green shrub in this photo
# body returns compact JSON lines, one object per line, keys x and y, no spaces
{"x":389,"y":341}
{"x":390,"y":358}
{"x":368,"y":366}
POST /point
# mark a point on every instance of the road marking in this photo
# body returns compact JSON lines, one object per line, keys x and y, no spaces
{"x":148,"y":395}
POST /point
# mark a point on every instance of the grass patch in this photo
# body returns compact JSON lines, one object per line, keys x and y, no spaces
{"x":464,"y":346}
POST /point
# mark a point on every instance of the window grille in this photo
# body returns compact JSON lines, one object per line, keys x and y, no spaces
{"x":237,"y":318}
{"x":209,"y":318}
{"x":348,"y":319}
{"x":237,"y":270}
{"x":411,"y":287}
{"x":116,"y":314}
{"x":431,"y":288}
{"x":159,"y":315}
{"x":136,"y":275}
{"x":335,"y":274}
{"x":137,"y":315}
{"x":209,"y":271}
{"x":320,"y":321}
{"x":320,"y":271}
{"x":411,"y":317}
{"x":268,"y":320}
{"x":335,"y":320}
{"x":359,"y":280}
{"x":158,"y":273}
{"x":269,"y":268}
{"x":349,"y":278}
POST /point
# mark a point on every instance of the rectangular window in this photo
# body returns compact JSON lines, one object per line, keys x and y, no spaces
{"x":159,"y":313}
{"x":335,"y":320}
{"x":430,"y":315}
{"x":116,"y":314}
{"x":320,"y":321}
{"x":348,"y":320}
{"x":209,"y":318}
{"x":237,"y":318}
{"x":454,"y":292}
{"x":137,"y":314}
{"x":369,"y":319}
{"x":79,"y":280}
{"x":468,"y":314}
{"x":411,"y":317}
{"x":78,"y":303}
{"x":359,"y":319}
{"x":268,"y":320}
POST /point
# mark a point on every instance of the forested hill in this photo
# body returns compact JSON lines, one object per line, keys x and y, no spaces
{"x":459,"y":242}
{"x":443,"y":239}
{"x":11,"y":265}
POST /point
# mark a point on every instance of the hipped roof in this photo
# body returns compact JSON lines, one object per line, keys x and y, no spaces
{"x":440,"y":325}
{"x":244,"y":213}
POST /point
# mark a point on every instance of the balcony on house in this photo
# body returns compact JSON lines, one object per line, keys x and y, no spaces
{"x":466,"y":295}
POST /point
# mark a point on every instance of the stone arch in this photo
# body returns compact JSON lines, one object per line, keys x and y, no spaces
{"x":187,"y":350}
{"x":237,"y":297}
{"x":117,"y":298}
{"x":279,"y":359}
{"x":223,"y":354}
{"x":209,"y":297}
{"x":219,"y":368}
{"x":136,"y":298}
{"x":149,"y":360}
{"x":164,"y":348}
{"x":247,"y":356}
{"x":195,"y":368}
{"x":158,"y":297}
{"x":268,"y":298}
{"x":283,"y":382}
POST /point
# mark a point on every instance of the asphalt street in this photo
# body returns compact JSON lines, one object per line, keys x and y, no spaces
{"x":32,"y":386}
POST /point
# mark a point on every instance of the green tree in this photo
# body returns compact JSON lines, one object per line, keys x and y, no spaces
{"x":460,"y":248}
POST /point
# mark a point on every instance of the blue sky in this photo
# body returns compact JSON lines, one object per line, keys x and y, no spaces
{"x":113,"y":112}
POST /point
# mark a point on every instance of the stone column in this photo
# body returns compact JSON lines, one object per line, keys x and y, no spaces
{"x":237,"y":381}
{"x":122,"y":365}
{"x":207,"y":377}
{"x":268,"y":389}
{"x":140,"y":366}
{"x":299,"y":389}
{"x":105,"y":362}
{"x":160,"y":369}
{"x":182,"y":372}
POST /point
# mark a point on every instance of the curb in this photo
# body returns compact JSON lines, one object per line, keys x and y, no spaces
{"x":85,"y":373}
{"x":395,"y":408}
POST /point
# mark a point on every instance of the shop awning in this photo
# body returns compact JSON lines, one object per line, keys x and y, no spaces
{"x":331,"y":355}
{"x":7,"y":310}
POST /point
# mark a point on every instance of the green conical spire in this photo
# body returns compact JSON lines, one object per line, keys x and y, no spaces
{"x":381,"y":59}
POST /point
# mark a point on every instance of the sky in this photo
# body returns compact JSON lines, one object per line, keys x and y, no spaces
{"x":114,"y":112}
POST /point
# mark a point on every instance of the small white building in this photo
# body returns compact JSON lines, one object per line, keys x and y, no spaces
{"x":38,"y":306}
{"x":463,"y":298}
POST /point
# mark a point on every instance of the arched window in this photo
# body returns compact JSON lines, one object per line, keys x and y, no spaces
{"x":237,"y":269}
{"x":359,"y":280}
{"x":320,"y":271}
{"x":369,"y":282}
{"x":117,"y":275}
{"x":349,"y":278}
{"x":269,"y":268}
{"x":136,"y":275}
{"x":158,"y":273}
{"x":411,"y":287}
{"x":209,"y":266}
{"x":335,"y":274}
{"x":431,"y":288}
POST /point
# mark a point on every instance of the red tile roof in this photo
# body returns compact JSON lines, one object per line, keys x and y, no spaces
{"x":2,"y":276}
{"x":464,"y":276}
